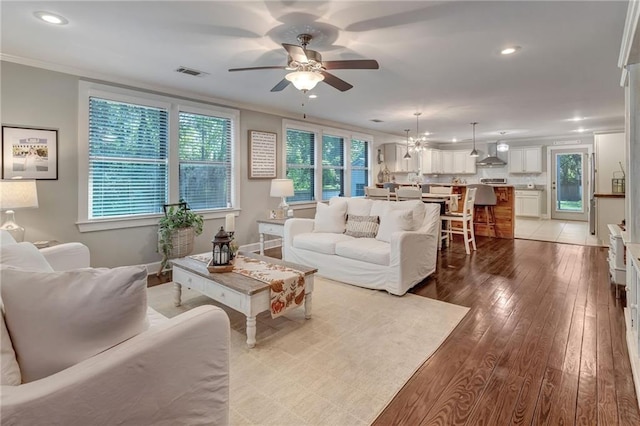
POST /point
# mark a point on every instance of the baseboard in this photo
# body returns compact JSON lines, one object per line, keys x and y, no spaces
{"x":632,"y":349}
{"x":154,"y":267}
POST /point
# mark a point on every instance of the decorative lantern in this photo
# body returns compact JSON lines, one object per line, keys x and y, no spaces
{"x":222,"y":254}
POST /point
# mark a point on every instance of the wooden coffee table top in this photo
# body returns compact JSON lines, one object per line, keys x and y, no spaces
{"x":237,"y":282}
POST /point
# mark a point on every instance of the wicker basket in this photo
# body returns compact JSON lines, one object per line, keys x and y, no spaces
{"x":181,"y":241}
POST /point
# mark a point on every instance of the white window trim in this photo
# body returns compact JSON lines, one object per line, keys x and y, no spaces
{"x":320,"y":131}
{"x":173,"y":106}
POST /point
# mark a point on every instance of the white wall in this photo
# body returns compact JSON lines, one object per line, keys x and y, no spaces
{"x":40,"y":98}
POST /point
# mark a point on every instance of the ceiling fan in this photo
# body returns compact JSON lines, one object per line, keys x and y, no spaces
{"x":308,"y":69}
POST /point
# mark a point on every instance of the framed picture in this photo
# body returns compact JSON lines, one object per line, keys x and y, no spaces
{"x":29,"y":153}
{"x":262,"y":155}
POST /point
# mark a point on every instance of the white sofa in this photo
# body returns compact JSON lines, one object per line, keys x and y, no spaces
{"x":174,"y":373}
{"x":395,"y":263}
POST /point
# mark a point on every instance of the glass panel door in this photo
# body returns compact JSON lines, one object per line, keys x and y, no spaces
{"x":569,"y":185}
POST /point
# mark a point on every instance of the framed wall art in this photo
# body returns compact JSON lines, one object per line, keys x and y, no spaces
{"x":262,"y":155}
{"x":29,"y":153}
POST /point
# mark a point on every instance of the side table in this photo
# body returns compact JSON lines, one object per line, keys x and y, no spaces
{"x":270,"y":227}
{"x":45,"y":244}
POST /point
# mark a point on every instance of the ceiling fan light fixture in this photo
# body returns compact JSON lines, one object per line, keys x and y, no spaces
{"x":304,"y":80}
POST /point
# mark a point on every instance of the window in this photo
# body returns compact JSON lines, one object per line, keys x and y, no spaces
{"x":342,"y":160}
{"x":301,"y":164}
{"x":128,"y":152}
{"x":359,"y":167}
{"x":139,"y":151}
{"x":332,"y":166}
{"x":205,"y":161}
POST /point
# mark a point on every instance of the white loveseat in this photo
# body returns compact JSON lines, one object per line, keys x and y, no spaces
{"x":401,"y":254}
{"x":175,"y":372}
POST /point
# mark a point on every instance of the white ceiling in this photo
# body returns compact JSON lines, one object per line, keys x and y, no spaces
{"x":439,"y":58}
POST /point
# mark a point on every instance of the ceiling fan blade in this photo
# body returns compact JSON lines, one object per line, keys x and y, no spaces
{"x":280,"y":86}
{"x":353,"y":64}
{"x":336,"y":82}
{"x":275,"y":67}
{"x":297,"y":53}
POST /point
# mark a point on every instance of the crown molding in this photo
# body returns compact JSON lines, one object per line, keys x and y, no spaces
{"x":630,"y":46}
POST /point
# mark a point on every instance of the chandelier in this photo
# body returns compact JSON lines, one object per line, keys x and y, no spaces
{"x":419,"y":143}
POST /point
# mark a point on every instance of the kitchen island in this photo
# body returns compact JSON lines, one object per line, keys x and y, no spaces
{"x":504,"y":211}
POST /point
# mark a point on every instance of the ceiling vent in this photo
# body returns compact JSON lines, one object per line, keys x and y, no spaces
{"x":190,"y":71}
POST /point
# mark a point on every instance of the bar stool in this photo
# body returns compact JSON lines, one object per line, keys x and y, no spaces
{"x":486,"y":197}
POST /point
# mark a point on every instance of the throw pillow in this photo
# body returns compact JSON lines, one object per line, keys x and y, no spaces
{"x":362,"y":226}
{"x":24,"y":256}
{"x":394,"y":221}
{"x":9,"y":368}
{"x":57,"y":319}
{"x":330,"y":218}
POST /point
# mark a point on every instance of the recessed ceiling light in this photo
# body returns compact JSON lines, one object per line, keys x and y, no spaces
{"x":576,"y":119}
{"x":313,"y":96}
{"x":454,"y":140}
{"x":427,"y":133}
{"x":581,"y":130}
{"x":510,"y":50}
{"x":51,"y":18}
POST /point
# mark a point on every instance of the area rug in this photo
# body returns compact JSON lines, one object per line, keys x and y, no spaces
{"x":341,"y":367}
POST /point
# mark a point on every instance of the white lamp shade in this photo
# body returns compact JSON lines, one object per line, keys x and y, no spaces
{"x":304,"y":80}
{"x":282,"y":188}
{"x":18,"y":194}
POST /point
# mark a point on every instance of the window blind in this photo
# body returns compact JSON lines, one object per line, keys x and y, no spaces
{"x":128,"y":168}
{"x":301,"y":164}
{"x":205,"y":161}
{"x":332,"y":166}
{"x":359,"y":167}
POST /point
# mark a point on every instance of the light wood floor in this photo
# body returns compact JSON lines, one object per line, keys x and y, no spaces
{"x":543,"y":342}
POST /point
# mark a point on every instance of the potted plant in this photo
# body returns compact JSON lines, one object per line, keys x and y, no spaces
{"x":177,"y":231}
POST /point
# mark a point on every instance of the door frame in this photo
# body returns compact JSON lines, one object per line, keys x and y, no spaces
{"x":586,"y":171}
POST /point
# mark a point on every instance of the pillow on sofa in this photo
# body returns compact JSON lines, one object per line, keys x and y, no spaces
{"x":362,"y":226}
{"x":355,"y":206}
{"x":24,"y":256}
{"x":57,"y":319}
{"x":330,"y":218}
{"x":392,"y":221}
{"x":9,"y":368}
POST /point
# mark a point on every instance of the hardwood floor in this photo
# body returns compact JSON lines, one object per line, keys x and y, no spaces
{"x":543,"y":342}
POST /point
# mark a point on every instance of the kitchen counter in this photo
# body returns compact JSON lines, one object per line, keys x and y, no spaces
{"x":525,"y":188}
{"x":608,"y":195}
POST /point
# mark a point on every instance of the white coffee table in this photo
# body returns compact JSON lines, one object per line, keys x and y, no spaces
{"x":243,"y":294}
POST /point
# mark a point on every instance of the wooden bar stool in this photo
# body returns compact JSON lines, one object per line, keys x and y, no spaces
{"x":486,"y":197}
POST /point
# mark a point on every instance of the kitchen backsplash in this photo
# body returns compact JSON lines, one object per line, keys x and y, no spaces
{"x":538,"y":179}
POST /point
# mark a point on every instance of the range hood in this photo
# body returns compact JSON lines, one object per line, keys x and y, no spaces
{"x":492,"y":159}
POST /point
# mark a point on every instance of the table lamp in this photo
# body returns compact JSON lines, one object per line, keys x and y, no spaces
{"x":282,"y":188}
{"x":16,"y":194}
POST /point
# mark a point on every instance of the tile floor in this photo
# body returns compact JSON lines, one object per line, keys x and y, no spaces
{"x":559,"y":231}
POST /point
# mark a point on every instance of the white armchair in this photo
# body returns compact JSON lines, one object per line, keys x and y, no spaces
{"x":174,"y":373}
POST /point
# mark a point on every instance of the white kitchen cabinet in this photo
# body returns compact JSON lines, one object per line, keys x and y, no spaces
{"x":431,"y":161}
{"x":525,"y":160}
{"x":394,"y":158}
{"x":463,"y":163}
{"x":610,"y":152}
{"x":447,"y":162}
{"x":528,"y":203}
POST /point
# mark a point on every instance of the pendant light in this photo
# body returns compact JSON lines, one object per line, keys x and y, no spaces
{"x":419,"y":143}
{"x":407,"y":156}
{"x":502,"y":145}
{"x":474,"y":152}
